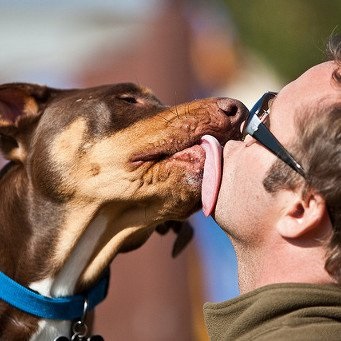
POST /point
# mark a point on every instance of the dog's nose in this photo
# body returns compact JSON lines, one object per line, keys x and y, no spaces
{"x":232,"y":107}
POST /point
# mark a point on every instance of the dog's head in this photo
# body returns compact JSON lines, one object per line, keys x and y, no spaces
{"x":116,"y":146}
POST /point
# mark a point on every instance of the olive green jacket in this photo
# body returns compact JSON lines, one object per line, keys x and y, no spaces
{"x":293,"y":312}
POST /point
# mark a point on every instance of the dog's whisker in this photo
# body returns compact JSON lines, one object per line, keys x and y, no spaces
{"x":188,"y":110}
{"x":164,"y":118}
{"x":177,"y":113}
{"x":172,"y":110}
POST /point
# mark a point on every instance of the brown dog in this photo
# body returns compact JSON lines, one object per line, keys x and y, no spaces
{"x":93,"y":172}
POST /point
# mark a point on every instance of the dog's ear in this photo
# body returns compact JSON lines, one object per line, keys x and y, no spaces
{"x":20,"y":107}
{"x":183,"y":230}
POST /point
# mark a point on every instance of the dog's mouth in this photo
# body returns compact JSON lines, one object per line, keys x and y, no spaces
{"x":189,"y":148}
{"x":200,"y":161}
{"x":187,"y":151}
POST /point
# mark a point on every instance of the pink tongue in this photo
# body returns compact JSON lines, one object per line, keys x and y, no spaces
{"x":212,"y":173}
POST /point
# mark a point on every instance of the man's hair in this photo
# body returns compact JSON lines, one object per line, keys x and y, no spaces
{"x":318,"y":149}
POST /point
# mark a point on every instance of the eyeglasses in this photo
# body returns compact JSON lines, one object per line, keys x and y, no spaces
{"x":255,"y":127}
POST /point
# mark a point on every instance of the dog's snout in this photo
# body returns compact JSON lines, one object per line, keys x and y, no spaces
{"x":232,"y":107}
{"x":227,"y":106}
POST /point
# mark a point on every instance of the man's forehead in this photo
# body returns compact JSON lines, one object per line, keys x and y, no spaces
{"x":313,"y":85}
{"x":324,"y":70}
{"x":313,"y":88}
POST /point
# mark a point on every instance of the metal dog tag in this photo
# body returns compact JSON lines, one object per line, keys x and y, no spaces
{"x":80,"y":330}
{"x":80,"y":338}
{"x":95,"y":338}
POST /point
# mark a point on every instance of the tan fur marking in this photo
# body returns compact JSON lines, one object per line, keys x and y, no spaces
{"x":4,"y":123}
{"x":102,"y":172}
{"x":147,"y":91}
{"x":18,"y":153}
{"x":67,"y":143}
{"x":77,"y":220}
{"x":30,"y":106}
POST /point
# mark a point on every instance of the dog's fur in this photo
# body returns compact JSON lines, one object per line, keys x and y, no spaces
{"x":92,"y":173}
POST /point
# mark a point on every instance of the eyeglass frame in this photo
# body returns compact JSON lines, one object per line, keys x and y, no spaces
{"x":254,"y":127}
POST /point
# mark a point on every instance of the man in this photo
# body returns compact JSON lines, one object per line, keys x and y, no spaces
{"x":280,"y":203}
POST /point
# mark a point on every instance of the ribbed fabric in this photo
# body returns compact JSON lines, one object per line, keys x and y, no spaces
{"x":279,"y":312}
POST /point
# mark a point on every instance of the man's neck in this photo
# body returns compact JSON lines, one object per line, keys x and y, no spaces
{"x":287,"y":263}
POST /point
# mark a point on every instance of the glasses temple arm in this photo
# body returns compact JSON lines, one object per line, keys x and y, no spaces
{"x":263,"y":135}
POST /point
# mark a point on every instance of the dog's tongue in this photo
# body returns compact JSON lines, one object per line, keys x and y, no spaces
{"x":212,"y":173}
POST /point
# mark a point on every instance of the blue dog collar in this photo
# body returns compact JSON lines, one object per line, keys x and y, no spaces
{"x":60,"y":308}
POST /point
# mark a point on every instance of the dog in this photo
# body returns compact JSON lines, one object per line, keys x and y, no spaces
{"x":91,"y":173}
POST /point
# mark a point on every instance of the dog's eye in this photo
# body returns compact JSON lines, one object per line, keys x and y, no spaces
{"x":128,"y":99}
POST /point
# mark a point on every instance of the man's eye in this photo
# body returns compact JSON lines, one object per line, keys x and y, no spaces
{"x":271,"y":100}
{"x":264,"y":117}
{"x":263,"y":114}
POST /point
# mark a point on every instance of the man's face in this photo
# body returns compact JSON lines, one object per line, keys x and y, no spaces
{"x":244,"y":209}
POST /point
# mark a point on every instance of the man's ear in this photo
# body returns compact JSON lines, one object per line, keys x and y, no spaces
{"x":302,"y":214}
{"x":20,"y":107}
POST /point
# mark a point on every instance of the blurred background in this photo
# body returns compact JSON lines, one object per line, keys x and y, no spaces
{"x":182,"y":50}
